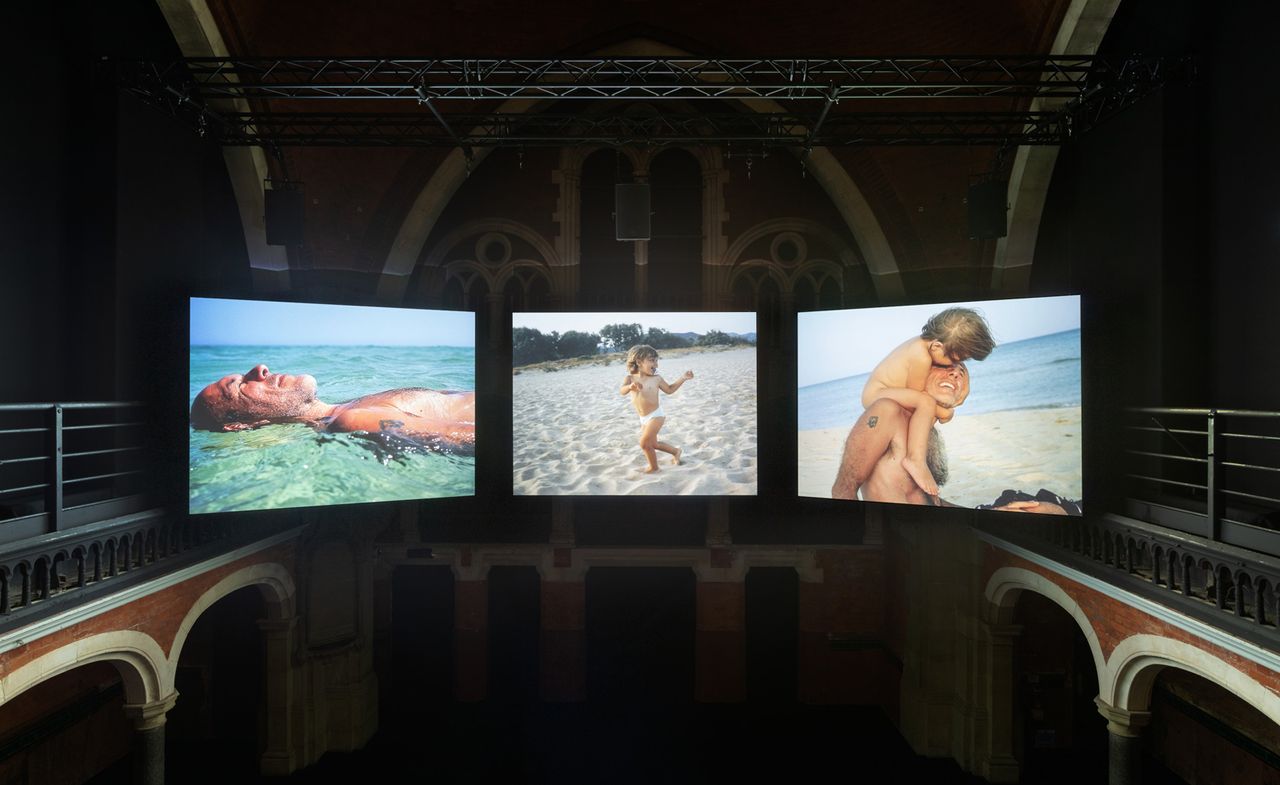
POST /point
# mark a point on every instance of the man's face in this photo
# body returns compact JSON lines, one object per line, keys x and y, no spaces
{"x":948,"y":384}
{"x":255,"y":396}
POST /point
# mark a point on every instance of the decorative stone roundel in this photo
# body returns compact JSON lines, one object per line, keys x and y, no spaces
{"x":788,"y":248}
{"x":493,"y":248}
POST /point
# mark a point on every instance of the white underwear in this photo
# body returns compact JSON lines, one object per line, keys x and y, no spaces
{"x":644,"y":418}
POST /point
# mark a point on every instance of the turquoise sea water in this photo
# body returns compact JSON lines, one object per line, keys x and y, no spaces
{"x":1042,"y":372}
{"x":294,"y":465}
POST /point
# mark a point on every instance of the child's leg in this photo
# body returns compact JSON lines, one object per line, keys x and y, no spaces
{"x":916,"y":461}
{"x":675,"y":451}
{"x":667,"y":448}
{"x":649,"y":442}
{"x":923,"y":413}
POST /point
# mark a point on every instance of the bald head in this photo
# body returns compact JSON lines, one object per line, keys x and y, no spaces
{"x":249,"y":400}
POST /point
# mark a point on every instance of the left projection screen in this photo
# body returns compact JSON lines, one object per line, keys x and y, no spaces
{"x":304,"y":404}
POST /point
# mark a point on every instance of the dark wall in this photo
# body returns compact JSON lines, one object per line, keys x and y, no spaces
{"x":1167,"y":218}
{"x":112,"y":214}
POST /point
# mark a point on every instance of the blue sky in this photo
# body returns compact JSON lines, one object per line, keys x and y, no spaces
{"x":837,"y":344}
{"x":261,"y":323}
{"x":691,"y":322}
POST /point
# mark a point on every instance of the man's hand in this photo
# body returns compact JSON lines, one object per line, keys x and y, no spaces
{"x":1048,"y":508}
{"x":687,"y":376}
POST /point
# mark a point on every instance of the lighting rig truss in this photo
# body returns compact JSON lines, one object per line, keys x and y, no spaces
{"x":1022,"y":100}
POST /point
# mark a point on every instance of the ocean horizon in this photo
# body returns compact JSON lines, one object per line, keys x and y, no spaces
{"x":1036,"y":373}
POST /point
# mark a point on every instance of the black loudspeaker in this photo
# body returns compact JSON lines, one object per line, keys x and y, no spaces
{"x":631,"y":211}
{"x":284,"y":218}
{"x":987,"y":209}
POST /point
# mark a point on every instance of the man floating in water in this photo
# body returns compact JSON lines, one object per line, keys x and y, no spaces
{"x":259,"y":397}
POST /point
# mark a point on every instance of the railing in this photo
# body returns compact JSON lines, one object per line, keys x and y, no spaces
{"x":64,"y":465}
{"x":1214,"y":473}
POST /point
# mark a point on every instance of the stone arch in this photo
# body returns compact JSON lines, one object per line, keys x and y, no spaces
{"x":273,"y":580}
{"x":196,"y":32}
{"x":827,"y":171}
{"x":1007,"y":584}
{"x":1083,"y":26}
{"x":147,"y":675}
{"x":1135,"y":663}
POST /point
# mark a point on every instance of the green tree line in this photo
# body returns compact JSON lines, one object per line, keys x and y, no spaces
{"x":529,"y":345}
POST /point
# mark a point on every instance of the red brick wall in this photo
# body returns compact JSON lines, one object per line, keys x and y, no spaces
{"x":1114,"y":621}
{"x":158,"y":615}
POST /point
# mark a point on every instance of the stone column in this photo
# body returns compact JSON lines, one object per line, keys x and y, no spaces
{"x":719,"y":534}
{"x":497,"y":324}
{"x":562,"y":531}
{"x":471,"y":639}
{"x":721,"y":642}
{"x":562,"y":660}
{"x":1124,"y":727}
{"x":998,"y":763}
{"x":277,"y":642}
{"x":873,"y":525}
{"x":642,"y":273}
{"x":148,"y":751}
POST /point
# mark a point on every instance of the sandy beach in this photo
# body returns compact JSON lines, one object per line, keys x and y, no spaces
{"x":574,"y":434}
{"x":1025,"y":449}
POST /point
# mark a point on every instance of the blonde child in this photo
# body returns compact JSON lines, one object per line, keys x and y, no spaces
{"x":643,"y":384}
{"x":949,"y":337}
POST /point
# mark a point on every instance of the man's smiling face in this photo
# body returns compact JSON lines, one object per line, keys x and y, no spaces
{"x":948,"y":384}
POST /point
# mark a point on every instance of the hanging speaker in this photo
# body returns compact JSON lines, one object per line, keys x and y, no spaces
{"x":631,"y":211}
{"x":987,"y":210}
{"x":285,"y":211}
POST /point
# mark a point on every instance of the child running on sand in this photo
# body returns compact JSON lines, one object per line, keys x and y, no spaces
{"x":949,"y":337}
{"x":643,"y":383}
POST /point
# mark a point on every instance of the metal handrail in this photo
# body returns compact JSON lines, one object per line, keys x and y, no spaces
{"x":105,"y":453}
{"x":1215,"y":487}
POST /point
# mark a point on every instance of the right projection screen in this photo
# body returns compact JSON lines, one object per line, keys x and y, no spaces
{"x":1004,"y":432}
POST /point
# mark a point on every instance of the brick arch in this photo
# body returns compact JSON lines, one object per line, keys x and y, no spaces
{"x":1007,"y":584}
{"x":146,"y":673}
{"x":272,"y":579}
{"x":1135,"y":663}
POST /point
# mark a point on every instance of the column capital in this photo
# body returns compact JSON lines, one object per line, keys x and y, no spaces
{"x":1122,"y":722}
{"x":1001,"y":633}
{"x":278,"y":626}
{"x":149,"y":716}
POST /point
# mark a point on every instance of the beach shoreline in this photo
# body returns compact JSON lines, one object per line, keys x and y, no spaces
{"x":1022,"y":449}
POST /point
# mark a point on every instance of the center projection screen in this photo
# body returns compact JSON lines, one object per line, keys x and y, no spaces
{"x":680,"y":421}
{"x":1013,"y":441}
{"x":302,"y":404}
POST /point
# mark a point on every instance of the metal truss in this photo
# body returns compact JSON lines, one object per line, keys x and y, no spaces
{"x":631,"y":96}
{"x":556,"y":129}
